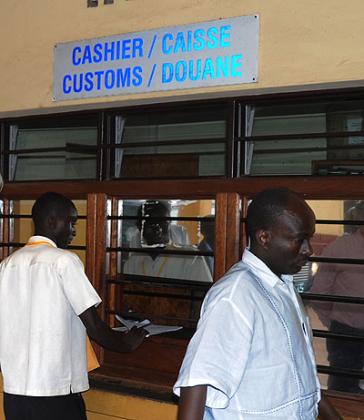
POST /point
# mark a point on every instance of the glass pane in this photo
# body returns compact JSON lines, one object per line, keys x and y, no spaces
{"x":324,"y":155}
{"x":174,"y":161}
{"x":76,"y":161}
{"x":159,"y":254}
{"x":338,"y":240}
{"x":148,"y":151}
{"x":309,"y":118}
{"x":163,"y":247}
{"x":279,"y":157}
{"x":339,"y":353}
{"x":39,"y":138}
{"x":54,"y":165}
{"x":177,"y":131}
{"x":181,"y":124}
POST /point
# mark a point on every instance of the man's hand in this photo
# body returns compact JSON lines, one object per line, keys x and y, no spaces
{"x":135,"y":337}
{"x":112,"y":340}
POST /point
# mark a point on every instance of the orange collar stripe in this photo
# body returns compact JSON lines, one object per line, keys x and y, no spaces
{"x":39,"y":243}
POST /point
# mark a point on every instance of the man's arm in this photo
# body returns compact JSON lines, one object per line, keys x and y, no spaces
{"x":192,"y":402}
{"x":106,"y":337}
{"x":327,"y":411}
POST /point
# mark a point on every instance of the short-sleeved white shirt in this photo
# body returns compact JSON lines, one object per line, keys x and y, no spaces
{"x":43,"y":289}
{"x":182,"y":267}
{"x":253,"y":349}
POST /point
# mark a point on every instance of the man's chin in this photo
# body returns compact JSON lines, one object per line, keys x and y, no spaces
{"x":297,"y":268}
{"x":294,"y":269}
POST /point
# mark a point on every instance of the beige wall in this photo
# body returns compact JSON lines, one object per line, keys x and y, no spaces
{"x":302,"y":43}
{"x":329,"y":210}
{"x":102,"y":405}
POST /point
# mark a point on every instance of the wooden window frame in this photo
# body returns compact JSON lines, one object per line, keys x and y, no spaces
{"x":230,"y":238}
{"x":229,"y":192}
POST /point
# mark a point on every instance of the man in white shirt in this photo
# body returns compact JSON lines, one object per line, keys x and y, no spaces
{"x":154,"y":226}
{"x":251,"y":357}
{"x":47,"y":305}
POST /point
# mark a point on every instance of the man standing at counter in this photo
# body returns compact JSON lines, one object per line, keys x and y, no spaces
{"x":46,"y":306}
{"x":251,"y":356}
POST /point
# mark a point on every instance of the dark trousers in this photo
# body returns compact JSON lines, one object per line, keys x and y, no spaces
{"x":63,"y":407}
{"x":345,"y":354}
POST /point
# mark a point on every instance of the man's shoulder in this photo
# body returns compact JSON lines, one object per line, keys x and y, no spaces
{"x":237,"y":281}
{"x":43,"y":254}
{"x":54,"y":253}
{"x":65,"y":257}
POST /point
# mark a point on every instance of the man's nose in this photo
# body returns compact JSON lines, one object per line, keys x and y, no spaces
{"x":307,"y":248}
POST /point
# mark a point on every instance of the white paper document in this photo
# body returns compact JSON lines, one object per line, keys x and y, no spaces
{"x":153,"y":329}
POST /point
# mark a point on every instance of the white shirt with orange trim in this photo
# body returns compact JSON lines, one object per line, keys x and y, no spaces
{"x":43,"y":289}
{"x":174,"y":266}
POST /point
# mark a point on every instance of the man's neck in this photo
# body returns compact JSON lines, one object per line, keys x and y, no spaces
{"x":263,"y":258}
{"x":39,"y":232}
{"x":155,"y":252}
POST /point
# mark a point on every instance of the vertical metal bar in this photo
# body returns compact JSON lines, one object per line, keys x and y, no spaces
{"x":101,"y":151}
{"x":112,"y":289}
{"x":220,"y":235}
{"x":230,"y":170}
{"x":239,"y":155}
{"x":6,"y":227}
{"x":248,"y":145}
{"x":13,"y":135}
{"x":232,"y":230}
{"x":119,"y":132}
{"x":2,"y":148}
{"x":243,"y":231}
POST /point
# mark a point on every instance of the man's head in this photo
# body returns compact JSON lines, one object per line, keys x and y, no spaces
{"x":280,"y":225}
{"x":153,"y":225}
{"x":356,"y":213}
{"x":54,"y":217}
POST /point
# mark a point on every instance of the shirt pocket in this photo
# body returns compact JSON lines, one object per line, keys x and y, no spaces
{"x":267,"y":388}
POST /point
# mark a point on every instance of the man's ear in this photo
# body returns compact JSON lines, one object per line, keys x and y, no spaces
{"x":263,"y":237}
{"x":51,"y":222}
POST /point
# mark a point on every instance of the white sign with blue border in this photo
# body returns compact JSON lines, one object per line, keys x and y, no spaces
{"x":215,"y":53}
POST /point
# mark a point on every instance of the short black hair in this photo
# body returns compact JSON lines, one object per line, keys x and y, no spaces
{"x":154,"y":205}
{"x":48,"y":203}
{"x":266,"y":207}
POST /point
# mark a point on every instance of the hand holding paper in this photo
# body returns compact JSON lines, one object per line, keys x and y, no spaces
{"x":153,"y":329}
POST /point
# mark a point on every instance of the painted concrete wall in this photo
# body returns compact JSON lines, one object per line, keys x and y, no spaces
{"x":102,"y":405}
{"x":109,"y":406}
{"x":302,"y":44}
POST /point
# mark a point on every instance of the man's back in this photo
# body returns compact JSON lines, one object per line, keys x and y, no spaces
{"x":42,"y":291}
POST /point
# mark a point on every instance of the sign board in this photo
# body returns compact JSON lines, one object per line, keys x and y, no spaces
{"x":215,"y":53}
